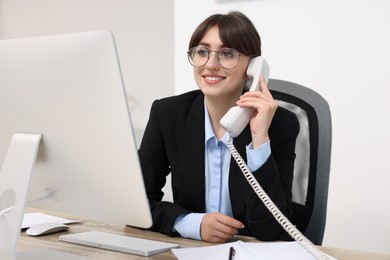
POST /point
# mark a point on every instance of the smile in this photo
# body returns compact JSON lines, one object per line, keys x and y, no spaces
{"x":213,"y":79}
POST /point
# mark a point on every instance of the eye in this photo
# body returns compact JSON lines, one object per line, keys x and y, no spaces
{"x":227,"y":54}
{"x":202,"y":52}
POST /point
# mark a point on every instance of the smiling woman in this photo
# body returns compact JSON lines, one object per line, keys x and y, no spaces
{"x":211,"y":198}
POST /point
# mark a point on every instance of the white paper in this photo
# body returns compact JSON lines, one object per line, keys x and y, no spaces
{"x":281,"y":250}
{"x":31,"y":219}
{"x":247,"y":251}
{"x":218,"y":252}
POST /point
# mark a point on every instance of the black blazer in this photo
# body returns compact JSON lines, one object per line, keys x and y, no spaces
{"x":174,"y":142}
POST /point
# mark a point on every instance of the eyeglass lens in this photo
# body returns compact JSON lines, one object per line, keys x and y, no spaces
{"x":227,"y":58}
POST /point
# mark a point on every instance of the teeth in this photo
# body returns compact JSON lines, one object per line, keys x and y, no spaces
{"x":213,"y":78}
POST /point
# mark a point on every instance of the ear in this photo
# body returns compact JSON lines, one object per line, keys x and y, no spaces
{"x":248,"y":83}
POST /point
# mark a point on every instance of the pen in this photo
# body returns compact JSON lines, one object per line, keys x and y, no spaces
{"x":232,"y":252}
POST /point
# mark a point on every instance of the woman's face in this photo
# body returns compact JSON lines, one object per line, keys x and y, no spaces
{"x":212,"y":79}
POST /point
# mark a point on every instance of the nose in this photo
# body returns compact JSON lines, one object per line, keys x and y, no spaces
{"x":213,"y":63}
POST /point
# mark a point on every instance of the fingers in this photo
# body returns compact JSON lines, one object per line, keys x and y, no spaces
{"x":265,"y":107}
{"x":263,"y":86}
{"x":257,"y":99}
{"x":216,"y":227}
{"x":263,"y":89}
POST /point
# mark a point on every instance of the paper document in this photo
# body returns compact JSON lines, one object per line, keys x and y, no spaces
{"x":219,"y":252}
{"x":30,"y":219}
{"x":246,"y":251}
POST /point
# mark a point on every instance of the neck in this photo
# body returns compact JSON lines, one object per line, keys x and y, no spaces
{"x":217,"y":109}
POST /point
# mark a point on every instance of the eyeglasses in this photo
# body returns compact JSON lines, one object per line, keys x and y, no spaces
{"x":228,"y":58}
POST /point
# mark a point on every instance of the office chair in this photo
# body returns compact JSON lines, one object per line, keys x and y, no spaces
{"x":313,"y":152}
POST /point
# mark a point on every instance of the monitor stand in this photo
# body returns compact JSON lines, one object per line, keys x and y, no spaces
{"x":15,"y":175}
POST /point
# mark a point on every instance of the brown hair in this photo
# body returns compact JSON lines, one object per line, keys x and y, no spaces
{"x":235,"y":31}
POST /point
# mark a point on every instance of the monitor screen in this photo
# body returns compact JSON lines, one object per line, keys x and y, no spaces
{"x":69,"y":88}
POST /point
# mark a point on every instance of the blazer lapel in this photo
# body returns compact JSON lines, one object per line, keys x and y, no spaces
{"x":194,"y":135}
{"x":236,"y":178}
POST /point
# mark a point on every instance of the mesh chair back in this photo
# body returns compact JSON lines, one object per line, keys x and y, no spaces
{"x":312,"y":163}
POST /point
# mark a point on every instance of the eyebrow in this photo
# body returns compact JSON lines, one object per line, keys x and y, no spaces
{"x":208,"y":46}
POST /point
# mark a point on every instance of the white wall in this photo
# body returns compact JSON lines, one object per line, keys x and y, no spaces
{"x":341,"y":49}
{"x":143,"y":30}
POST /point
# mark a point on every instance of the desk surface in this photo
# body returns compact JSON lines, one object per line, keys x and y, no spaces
{"x":51,"y":242}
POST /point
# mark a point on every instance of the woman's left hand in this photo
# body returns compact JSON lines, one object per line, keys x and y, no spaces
{"x":265,"y":107}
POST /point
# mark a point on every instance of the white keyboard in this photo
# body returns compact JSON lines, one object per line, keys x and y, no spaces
{"x":126,"y":244}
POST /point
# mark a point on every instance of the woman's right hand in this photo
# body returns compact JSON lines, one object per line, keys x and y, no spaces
{"x":217,"y":227}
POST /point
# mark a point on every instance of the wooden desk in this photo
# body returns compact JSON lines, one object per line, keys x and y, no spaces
{"x":51,"y":242}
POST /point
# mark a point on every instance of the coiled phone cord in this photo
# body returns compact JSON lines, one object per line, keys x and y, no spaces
{"x":278,"y":215}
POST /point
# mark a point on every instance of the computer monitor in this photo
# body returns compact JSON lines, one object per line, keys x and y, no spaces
{"x":69,"y":88}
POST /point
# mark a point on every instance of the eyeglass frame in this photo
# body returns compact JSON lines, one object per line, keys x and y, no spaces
{"x":217,"y":52}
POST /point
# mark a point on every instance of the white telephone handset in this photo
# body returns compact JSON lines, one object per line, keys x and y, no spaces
{"x":235,"y":120}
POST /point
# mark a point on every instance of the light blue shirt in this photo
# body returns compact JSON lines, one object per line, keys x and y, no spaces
{"x":217,"y":164}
